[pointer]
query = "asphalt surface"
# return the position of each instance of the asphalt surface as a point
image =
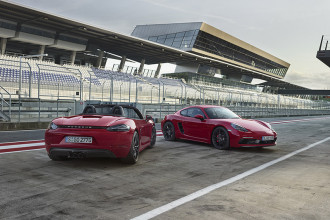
(34, 187)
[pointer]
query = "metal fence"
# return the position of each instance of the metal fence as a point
(38, 80)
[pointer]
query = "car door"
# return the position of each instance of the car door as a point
(144, 127)
(144, 131)
(193, 127)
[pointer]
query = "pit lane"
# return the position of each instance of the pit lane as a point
(33, 186)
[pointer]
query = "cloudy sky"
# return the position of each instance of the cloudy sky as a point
(290, 30)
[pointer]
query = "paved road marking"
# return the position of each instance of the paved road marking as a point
(32, 149)
(21, 142)
(24, 130)
(21, 146)
(155, 212)
(296, 120)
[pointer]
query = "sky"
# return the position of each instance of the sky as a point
(290, 30)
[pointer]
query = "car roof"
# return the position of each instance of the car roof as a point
(203, 106)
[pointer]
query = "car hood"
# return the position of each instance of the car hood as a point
(88, 120)
(250, 124)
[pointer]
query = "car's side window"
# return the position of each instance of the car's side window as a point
(192, 112)
(184, 113)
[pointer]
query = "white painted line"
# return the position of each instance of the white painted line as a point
(25, 130)
(21, 145)
(21, 151)
(20, 141)
(202, 192)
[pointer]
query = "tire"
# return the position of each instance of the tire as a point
(169, 131)
(133, 154)
(153, 137)
(220, 138)
(57, 158)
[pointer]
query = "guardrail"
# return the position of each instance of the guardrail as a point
(4, 103)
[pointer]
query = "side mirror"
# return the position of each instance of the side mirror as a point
(148, 118)
(200, 117)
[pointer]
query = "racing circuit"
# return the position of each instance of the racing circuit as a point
(53, 67)
(173, 180)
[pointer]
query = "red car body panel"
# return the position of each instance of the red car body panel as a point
(117, 142)
(201, 130)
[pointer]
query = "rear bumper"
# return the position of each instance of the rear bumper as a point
(117, 143)
(81, 153)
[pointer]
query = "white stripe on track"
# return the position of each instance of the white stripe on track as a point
(21, 145)
(24, 130)
(21, 151)
(155, 212)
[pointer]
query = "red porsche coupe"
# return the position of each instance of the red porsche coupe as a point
(218, 126)
(115, 131)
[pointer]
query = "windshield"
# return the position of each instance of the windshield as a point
(220, 113)
(123, 111)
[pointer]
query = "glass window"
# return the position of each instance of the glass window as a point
(184, 112)
(152, 38)
(161, 41)
(170, 35)
(192, 112)
(196, 32)
(7, 25)
(220, 113)
(176, 44)
(178, 39)
(189, 33)
(161, 37)
(188, 38)
(180, 34)
(169, 41)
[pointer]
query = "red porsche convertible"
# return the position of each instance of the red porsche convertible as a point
(101, 131)
(218, 126)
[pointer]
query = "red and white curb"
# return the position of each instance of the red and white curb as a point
(21, 146)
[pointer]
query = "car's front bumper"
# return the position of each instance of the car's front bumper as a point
(244, 139)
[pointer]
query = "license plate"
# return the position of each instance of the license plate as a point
(268, 138)
(73, 139)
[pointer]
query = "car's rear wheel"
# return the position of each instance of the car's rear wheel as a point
(153, 137)
(220, 138)
(169, 131)
(133, 154)
(57, 158)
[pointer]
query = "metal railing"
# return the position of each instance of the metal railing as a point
(46, 81)
(4, 103)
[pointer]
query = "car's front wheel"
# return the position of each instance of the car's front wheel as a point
(133, 154)
(169, 131)
(220, 138)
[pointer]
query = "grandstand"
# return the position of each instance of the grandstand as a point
(72, 74)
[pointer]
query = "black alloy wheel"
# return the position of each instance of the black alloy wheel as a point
(133, 154)
(153, 137)
(220, 138)
(169, 131)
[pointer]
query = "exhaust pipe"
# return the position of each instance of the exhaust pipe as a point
(78, 155)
